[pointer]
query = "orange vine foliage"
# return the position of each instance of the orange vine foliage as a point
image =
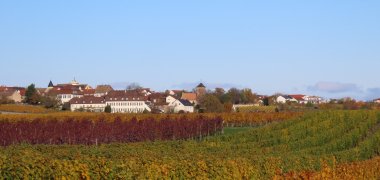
(369, 169)
(24, 108)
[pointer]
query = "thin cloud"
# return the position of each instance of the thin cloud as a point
(334, 87)
(190, 86)
(372, 93)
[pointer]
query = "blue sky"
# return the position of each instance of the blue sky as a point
(324, 47)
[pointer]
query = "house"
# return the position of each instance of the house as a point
(157, 98)
(14, 94)
(126, 102)
(181, 105)
(144, 91)
(88, 92)
(176, 93)
(102, 90)
(158, 102)
(282, 99)
(65, 92)
(192, 97)
(313, 99)
(376, 100)
(300, 98)
(170, 99)
(75, 84)
(11, 95)
(88, 103)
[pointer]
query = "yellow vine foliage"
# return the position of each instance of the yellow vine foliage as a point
(24, 108)
(368, 169)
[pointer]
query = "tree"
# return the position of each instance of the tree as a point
(66, 106)
(134, 86)
(248, 96)
(31, 95)
(266, 101)
(234, 94)
(210, 103)
(50, 102)
(107, 109)
(228, 107)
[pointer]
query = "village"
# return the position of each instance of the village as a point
(75, 96)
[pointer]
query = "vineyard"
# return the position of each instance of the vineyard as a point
(250, 109)
(86, 131)
(320, 144)
(90, 128)
(24, 108)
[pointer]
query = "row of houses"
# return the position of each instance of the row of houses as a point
(12, 94)
(82, 97)
(299, 98)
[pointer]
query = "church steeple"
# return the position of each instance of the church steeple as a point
(50, 84)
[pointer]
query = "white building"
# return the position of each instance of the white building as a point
(237, 106)
(170, 99)
(124, 102)
(88, 103)
(66, 92)
(182, 105)
(65, 96)
(285, 98)
(313, 99)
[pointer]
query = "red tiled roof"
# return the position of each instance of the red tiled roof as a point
(89, 91)
(87, 100)
(6, 93)
(189, 96)
(3, 88)
(21, 90)
(125, 96)
(298, 97)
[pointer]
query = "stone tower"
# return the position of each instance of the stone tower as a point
(200, 90)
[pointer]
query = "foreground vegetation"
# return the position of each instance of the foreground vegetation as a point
(91, 128)
(16, 108)
(318, 142)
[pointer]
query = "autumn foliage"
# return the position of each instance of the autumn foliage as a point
(315, 145)
(103, 129)
(24, 108)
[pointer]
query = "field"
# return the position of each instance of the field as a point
(317, 145)
(24, 108)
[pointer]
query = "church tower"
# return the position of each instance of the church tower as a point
(51, 85)
(200, 90)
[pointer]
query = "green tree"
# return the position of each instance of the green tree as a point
(248, 97)
(31, 95)
(134, 86)
(234, 94)
(50, 102)
(210, 103)
(107, 109)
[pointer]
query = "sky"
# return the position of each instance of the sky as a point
(317, 47)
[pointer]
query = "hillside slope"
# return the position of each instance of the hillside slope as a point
(308, 143)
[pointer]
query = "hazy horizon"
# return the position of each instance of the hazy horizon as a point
(325, 48)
